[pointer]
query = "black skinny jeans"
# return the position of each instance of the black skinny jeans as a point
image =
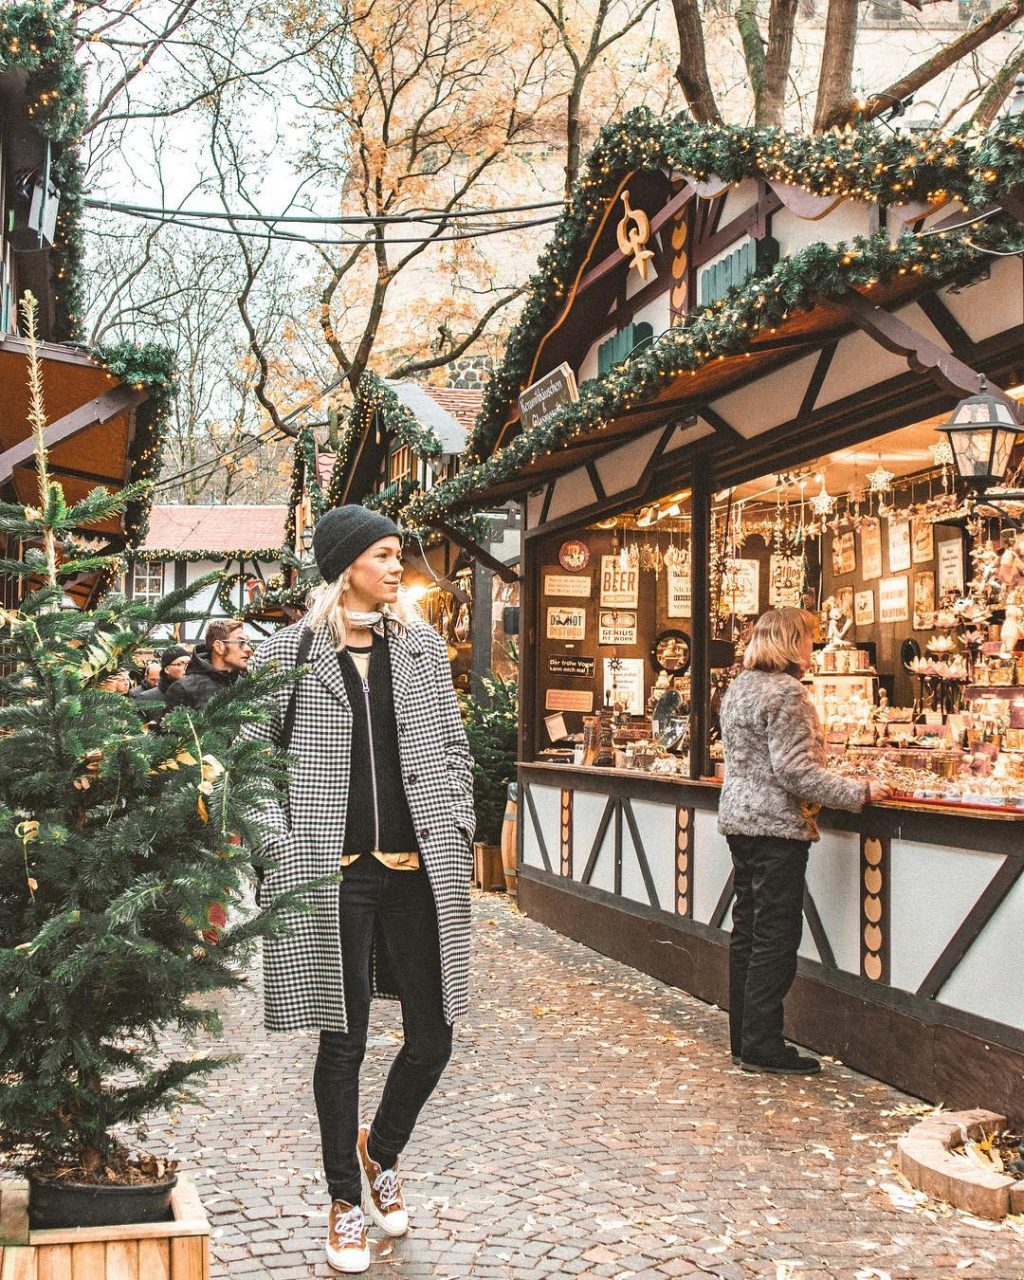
(767, 921)
(400, 906)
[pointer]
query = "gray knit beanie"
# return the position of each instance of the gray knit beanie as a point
(344, 533)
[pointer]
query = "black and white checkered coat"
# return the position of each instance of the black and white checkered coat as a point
(302, 979)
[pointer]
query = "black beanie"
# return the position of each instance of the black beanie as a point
(172, 654)
(343, 534)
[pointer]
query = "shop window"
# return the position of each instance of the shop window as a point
(400, 464)
(147, 582)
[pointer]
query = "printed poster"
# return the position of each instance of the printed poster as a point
(566, 622)
(924, 600)
(893, 599)
(899, 545)
(785, 581)
(864, 608)
(679, 591)
(624, 683)
(951, 568)
(844, 553)
(616, 626)
(922, 540)
(567, 584)
(569, 700)
(620, 588)
(870, 549)
(741, 586)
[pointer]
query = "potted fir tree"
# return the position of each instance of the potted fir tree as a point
(119, 851)
(492, 727)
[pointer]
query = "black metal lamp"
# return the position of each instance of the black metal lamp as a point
(982, 432)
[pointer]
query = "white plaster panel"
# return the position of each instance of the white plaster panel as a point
(833, 877)
(859, 362)
(623, 467)
(634, 283)
(656, 313)
(769, 401)
(992, 305)
(688, 435)
(573, 491)
(548, 803)
(848, 219)
(657, 826)
(711, 863)
(987, 980)
(807, 948)
(738, 199)
(587, 811)
(932, 888)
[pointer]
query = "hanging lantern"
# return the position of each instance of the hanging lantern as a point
(823, 504)
(982, 432)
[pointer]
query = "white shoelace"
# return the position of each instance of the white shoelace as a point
(349, 1226)
(386, 1186)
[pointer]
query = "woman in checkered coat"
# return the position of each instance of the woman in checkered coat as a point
(382, 792)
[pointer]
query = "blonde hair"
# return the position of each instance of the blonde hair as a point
(776, 640)
(325, 607)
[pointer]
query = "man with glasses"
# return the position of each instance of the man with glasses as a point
(217, 662)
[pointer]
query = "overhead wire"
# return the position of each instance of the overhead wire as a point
(347, 219)
(289, 237)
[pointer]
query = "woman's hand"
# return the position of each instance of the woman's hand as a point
(878, 791)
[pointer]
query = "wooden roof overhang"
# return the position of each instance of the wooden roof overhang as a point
(91, 417)
(690, 393)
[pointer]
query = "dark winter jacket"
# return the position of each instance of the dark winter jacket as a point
(200, 682)
(149, 703)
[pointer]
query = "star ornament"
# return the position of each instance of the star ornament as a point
(823, 504)
(880, 480)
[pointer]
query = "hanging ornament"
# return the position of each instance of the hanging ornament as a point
(880, 480)
(823, 504)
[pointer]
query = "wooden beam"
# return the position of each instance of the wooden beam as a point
(89, 476)
(101, 409)
(505, 572)
(922, 354)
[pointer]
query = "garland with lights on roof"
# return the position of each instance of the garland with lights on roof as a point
(304, 480)
(726, 328)
(35, 39)
(152, 367)
(866, 163)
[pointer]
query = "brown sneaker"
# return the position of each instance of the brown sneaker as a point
(382, 1191)
(347, 1249)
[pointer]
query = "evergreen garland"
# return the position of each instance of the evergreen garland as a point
(726, 328)
(867, 163)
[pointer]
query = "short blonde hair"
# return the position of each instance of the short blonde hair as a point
(776, 640)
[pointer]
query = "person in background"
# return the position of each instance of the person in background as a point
(217, 662)
(150, 700)
(151, 675)
(117, 682)
(775, 783)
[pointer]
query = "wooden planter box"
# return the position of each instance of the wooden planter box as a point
(487, 869)
(176, 1250)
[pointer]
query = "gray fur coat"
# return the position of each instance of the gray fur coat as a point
(775, 780)
(305, 829)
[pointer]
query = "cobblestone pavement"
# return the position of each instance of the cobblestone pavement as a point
(590, 1124)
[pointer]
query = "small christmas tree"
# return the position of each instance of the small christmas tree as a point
(114, 844)
(492, 727)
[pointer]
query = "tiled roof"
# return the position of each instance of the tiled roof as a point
(219, 529)
(463, 403)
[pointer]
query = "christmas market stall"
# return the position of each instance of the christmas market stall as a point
(106, 407)
(757, 369)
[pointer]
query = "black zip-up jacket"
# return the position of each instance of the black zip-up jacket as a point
(199, 683)
(396, 831)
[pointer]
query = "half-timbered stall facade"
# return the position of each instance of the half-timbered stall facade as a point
(727, 392)
(242, 544)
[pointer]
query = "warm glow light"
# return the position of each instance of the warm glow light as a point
(416, 592)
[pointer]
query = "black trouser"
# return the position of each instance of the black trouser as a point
(400, 903)
(767, 921)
